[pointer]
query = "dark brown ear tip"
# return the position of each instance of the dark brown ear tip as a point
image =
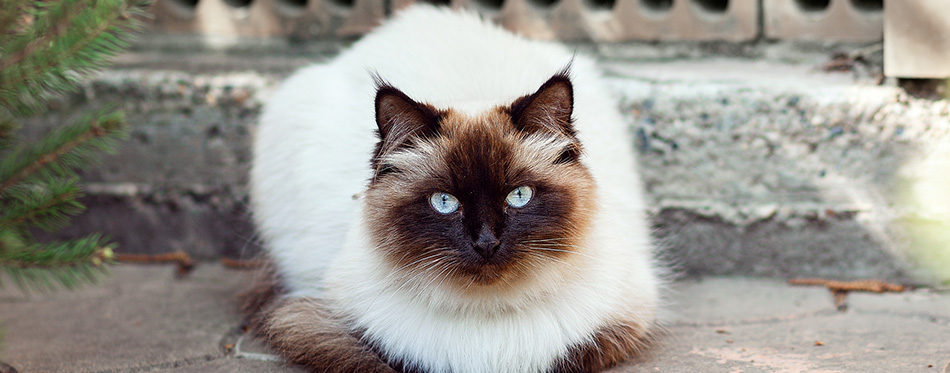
(388, 91)
(561, 78)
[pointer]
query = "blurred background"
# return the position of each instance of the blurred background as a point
(777, 138)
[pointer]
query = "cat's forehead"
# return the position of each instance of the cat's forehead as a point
(478, 151)
(486, 149)
(493, 122)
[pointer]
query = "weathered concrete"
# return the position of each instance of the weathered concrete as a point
(143, 319)
(619, 20)
(833, 20)
(755, 159)
(917, 39)
(140, 318)
(263, 18)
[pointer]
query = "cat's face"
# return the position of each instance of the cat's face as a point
(479, 201)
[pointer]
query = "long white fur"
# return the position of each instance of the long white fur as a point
(311, 158)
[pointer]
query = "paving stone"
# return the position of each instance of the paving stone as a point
(923, 303)
(143, 319)
(231, 365)
(714, 301)
(843, 342)
(141, 316)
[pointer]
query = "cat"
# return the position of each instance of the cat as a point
(445, 196)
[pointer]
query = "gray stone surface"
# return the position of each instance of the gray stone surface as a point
(140, 318)
(143, 319)
(756, 160)
(917, 39)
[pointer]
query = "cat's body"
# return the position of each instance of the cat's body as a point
(580, 291)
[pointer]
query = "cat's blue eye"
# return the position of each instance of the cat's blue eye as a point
(519, 197)
(444, 203)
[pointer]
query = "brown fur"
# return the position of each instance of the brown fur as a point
(265, 289)
(609, 346)
(306, 333)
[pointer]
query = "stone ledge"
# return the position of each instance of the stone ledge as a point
(144, 319)
(755, 160)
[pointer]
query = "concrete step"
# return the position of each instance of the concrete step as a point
(144, 319)
(757, 161)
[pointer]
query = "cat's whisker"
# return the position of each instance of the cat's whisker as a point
(551, 258)
(547, 239)
(436, 277)
(561, 251)
(433, 253)
(422, 271)
(551, 243)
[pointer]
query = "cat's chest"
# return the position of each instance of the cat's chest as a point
(528, 340)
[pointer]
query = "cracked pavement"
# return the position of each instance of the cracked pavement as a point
(143, 319)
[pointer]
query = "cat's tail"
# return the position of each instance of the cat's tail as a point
(265, 290)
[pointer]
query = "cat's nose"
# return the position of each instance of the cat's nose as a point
(487, 244)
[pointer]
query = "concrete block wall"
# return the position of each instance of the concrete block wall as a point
(598, 20)
(299, 19)
(837, 20)
(917, 42)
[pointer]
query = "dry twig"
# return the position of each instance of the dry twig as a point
(184, 261)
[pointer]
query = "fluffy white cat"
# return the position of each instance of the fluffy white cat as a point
(445, 196)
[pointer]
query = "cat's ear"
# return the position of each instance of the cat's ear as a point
(549, 109)
(399, 118)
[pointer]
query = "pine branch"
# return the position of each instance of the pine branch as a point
(51, 26)
(63, 150)
(15, 16)
(46, 205)
(47, 47)
(7, 127)
(68, 264)
(69, 40)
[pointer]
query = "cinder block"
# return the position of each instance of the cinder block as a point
(366, 15)
(215, 17)
(524, 18)
(917, 39)
(729, 20)
(304, 20)
(830, 20)
(620, 20)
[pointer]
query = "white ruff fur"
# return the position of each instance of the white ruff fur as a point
(312, 153)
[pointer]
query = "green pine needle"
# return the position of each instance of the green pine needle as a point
(64, 150)
(7, 127)
(48, 266)
(45, 205)
(65, 42)
(46, 48)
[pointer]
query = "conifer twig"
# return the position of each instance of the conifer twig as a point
(66, 262)
(52, 56)
(97, 128)
(46, 207)
(47, 47)
(46, 37)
